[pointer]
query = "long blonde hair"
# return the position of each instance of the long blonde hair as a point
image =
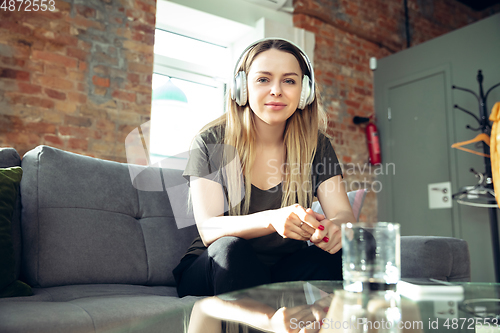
(300, 140)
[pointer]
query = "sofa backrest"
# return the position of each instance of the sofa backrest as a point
(84, 222)
(10, 158)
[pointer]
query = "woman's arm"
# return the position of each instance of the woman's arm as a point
(208, 207)
(333, 198)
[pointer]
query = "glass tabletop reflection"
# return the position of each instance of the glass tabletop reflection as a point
(323, 306)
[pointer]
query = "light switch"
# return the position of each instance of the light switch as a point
(440, 195)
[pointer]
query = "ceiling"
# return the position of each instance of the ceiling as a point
(479, 4)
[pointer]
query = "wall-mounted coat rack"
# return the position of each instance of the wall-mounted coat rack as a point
(484, 127)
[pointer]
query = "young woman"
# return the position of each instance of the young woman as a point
(253, 175)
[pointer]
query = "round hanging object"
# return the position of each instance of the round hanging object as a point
(169, 91)
(495, 149)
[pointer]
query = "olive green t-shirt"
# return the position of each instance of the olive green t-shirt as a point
(205, 161)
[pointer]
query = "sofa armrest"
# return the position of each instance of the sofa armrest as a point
(442, 258)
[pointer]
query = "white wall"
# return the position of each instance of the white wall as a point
(247, 22)
(237, 10)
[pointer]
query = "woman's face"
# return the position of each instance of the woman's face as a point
(274, 86)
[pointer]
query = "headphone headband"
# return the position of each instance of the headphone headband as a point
(311, 81)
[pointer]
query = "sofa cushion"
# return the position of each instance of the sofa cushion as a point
(9, 187)
(442, 258)
(84, 222)
(97, 308)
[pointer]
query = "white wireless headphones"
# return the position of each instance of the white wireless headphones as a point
(239, 92)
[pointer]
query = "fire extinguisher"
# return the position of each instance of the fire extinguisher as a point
(372, 138)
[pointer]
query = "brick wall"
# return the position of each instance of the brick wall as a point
(76, 76)
(348, 33)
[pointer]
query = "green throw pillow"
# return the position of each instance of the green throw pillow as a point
(9, 186)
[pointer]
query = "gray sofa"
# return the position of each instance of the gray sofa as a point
(98, 253)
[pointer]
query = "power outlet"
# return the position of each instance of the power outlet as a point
(440, 195)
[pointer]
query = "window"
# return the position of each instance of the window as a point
(185, 96)
(194, 55)
(180, 109)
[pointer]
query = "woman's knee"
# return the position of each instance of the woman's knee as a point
(229, 245)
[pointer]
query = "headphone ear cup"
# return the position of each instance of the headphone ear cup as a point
(233, 89)
(305, 92)
(243, 89)
(239, 89)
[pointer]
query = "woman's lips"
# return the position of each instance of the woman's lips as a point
(276, 106)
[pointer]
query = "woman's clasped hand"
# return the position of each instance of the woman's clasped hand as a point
(298, 223)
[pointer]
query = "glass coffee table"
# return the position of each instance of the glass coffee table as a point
(323, 306)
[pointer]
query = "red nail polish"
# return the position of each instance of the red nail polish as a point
(326, 239)
(325, 310)
(321, 227)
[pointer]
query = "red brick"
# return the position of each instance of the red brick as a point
(78, 144)
(123, 95)
(55, 94)
(55, 58)
(353, 104)
(144, 7)
(14, 27)
(22, 49)
(54, 70)
(76, 97)
(77, 121)
(27, 88)
(13, 123)
(133, 14)
(133, 78)
(77, 53)
(346, 159)
(82, 87)
(41, 128)
(29, 100)
(362, 91)
(54, 82)
(101, 81)
(85, 23)
(82, 66)
(12, 61)
(8, 73)
(53, 140)
(75, 132)
(67, 40)
(140, 68)
(150, 18)
(143, 28)
(77, 76)
(105, 125)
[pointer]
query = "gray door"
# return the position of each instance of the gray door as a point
(419, 151)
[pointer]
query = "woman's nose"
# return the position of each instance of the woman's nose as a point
(276, 89)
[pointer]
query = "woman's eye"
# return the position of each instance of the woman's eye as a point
(262, 80)
(290, 81)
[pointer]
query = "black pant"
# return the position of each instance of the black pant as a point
(230, 263)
